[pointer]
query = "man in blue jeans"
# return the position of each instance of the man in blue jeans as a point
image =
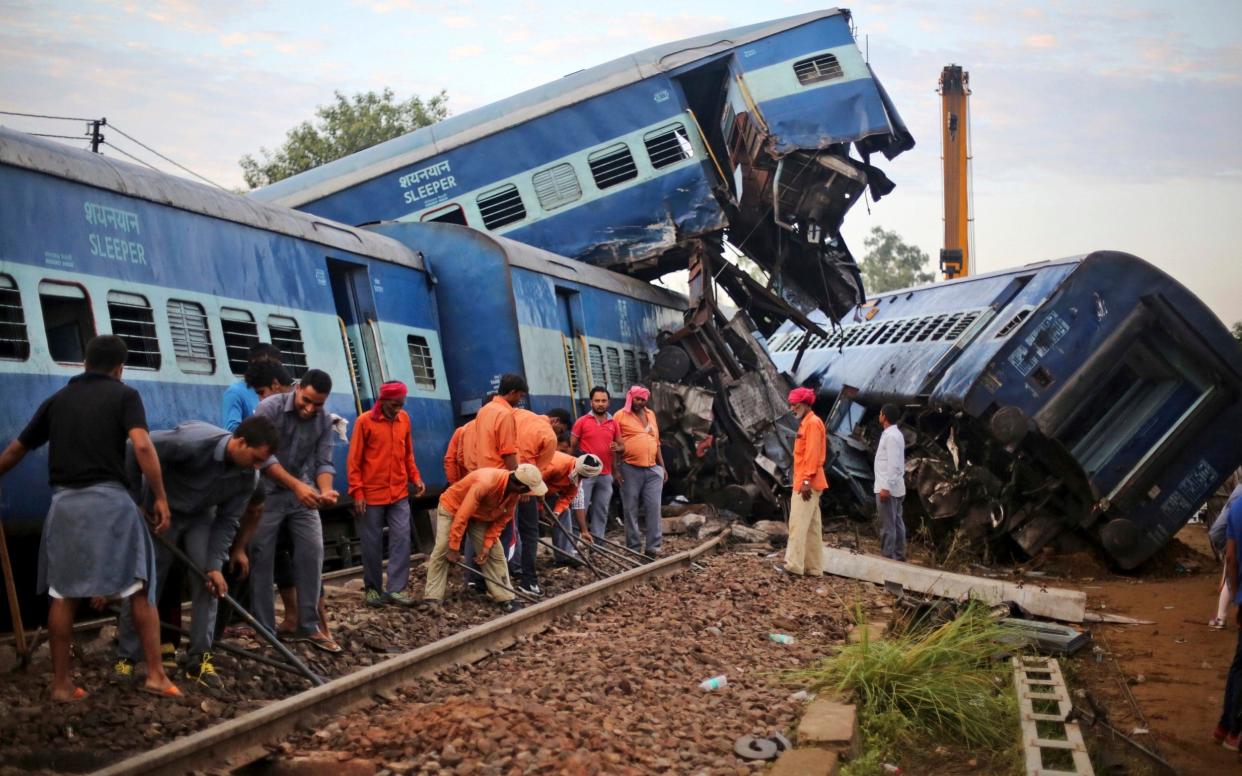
(1230, 725)
(641, 474)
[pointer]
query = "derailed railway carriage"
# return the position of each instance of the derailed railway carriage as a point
(1093, 395)
(191, 276)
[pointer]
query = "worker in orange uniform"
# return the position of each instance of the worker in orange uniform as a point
(536, 444)
(641, 473)
(495, 441)
(454, 456)
(381, 468)
(804, 553)
(564, 475)
(480, 504)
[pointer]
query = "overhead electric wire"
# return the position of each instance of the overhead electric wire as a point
(41, 116)
(131, 156)
(60, 137)
(132, 139)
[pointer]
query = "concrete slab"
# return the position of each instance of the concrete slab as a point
(808, 761)
(830, 724)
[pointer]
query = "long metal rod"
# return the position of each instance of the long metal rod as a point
(15, 610)
(241, 740)
(497, 583)
(574, 540)
(621, 560)
(267, 635)
(225, 647)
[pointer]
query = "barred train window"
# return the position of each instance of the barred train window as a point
(631, 368)
(824, 67)
(14, 341)
(595, 355)
(557, 186)
(421, 362)
(288, 337)
(668, 145)
(67, 320)
(615, 381)
(501, 206)
(133, 320)
(612, 165)
(191, 338)
(240, 334)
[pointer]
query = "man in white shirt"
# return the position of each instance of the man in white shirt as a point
(890, 484)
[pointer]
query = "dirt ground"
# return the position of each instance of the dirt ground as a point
(1175, 669)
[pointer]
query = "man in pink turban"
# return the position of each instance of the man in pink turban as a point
(381, 470)
(804, 553)
(641, 472)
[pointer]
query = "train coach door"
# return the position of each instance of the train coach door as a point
(570, 334)
(355, 311)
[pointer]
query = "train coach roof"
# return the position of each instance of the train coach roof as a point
(489, 119)
(523, 256)
(17, 149)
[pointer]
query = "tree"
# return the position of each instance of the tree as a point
(345, 126)
(890, 263)
(1237, 330)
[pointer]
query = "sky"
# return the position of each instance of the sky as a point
(1101, 125)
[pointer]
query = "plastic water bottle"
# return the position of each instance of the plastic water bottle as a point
(715, 683)
(781, 638)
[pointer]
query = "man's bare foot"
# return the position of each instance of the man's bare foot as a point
(67, 693)
(161, 685)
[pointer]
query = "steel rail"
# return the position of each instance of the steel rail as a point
(242, 740)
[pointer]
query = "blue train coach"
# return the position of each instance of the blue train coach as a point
(638, 163)
(1093, 395)
(507, 307)
(191, 276)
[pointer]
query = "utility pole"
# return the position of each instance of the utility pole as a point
(96, 137)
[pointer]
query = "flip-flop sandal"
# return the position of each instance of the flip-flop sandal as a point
(171, 691)
(322, 643)
(1216, 623)
(78, 695)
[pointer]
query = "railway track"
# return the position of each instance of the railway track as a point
(244, 739)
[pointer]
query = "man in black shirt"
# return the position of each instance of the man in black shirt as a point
(94, 541)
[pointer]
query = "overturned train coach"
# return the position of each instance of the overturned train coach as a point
(1092, 396)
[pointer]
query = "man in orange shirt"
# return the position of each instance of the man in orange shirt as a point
(381, 467)
(641, 472)
(536, 444)
(804, 553)
(454, 456)
(481, 503)
(495, 442)
(564, 476)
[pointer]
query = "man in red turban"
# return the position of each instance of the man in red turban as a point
(381, 469)
(804, 553)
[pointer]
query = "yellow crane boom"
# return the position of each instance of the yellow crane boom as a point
(954, 90)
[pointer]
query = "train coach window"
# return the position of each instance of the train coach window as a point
(421, 362)
(824, 67)
(668, 145)
(67, 320)
(631, 368)
(449, 214)
(615, 382)
(501, 206)
(287, 336)
(240, 334)
(191, 338)
(557, 186)
(14, 342)
(133, 320)
(612, 165)
(595, 357)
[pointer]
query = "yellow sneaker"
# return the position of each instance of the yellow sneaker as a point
(123, 670)
(204, 673)
(168, 655)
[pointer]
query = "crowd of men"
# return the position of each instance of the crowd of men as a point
(240, 501)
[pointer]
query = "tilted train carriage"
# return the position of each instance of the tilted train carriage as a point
(191, 276)
(1092, 395)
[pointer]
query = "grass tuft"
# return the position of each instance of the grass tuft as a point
(940, 686)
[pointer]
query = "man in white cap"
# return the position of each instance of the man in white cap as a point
(481, 504)
(563, 475)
